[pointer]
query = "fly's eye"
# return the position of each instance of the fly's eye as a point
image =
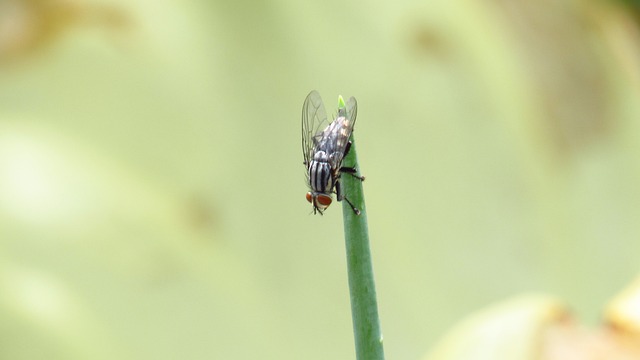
(324, 200)
(309, 197)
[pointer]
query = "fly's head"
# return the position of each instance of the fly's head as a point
(319, 201)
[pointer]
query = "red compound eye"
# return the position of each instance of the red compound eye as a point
(309, 197)
(324, 200)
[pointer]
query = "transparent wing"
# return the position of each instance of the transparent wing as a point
(336, 136)
(352, 111)
(314, 121)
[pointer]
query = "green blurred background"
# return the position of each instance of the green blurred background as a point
(152, 189)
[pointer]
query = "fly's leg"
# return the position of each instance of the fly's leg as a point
(355, 210)
(347, 148)
(351, 171)
(342, 196)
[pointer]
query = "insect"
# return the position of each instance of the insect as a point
(324, 146)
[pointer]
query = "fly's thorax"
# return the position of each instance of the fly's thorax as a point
(335, 159)
(320, 156)
(320, 176)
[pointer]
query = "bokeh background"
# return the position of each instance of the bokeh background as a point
(152, 189)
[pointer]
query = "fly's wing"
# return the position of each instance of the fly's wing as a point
(352, 111)
(336, 136)
(314, 121)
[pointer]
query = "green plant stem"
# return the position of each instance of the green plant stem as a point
(362, 290)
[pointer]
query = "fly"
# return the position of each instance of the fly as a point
(324, 146)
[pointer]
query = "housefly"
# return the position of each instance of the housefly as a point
(324, 146)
